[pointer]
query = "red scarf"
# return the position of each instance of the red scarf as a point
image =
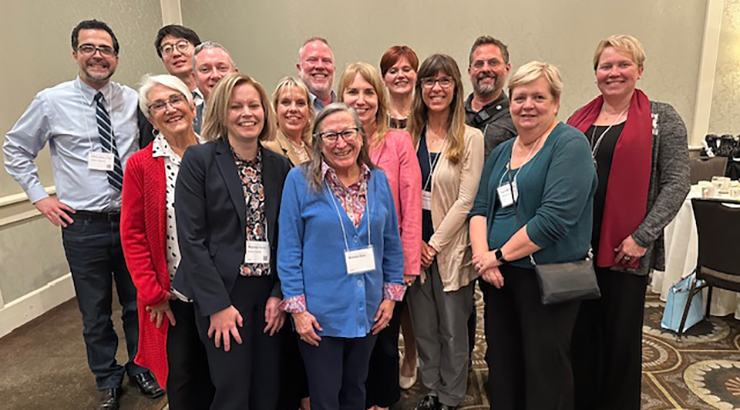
(629, 177)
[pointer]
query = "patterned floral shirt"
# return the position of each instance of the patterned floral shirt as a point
(354, 197)
(250, 174)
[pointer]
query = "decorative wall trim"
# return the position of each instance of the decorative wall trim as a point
(16, 208)
(707, 67)
(28, 307)
(171, 12)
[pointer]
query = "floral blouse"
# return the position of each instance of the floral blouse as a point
(250, 174)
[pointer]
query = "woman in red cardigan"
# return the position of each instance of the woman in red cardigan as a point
(168, 340)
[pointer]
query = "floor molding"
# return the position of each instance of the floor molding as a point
(28, 307)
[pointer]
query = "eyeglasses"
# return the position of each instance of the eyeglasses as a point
(89, 49)
(159, 106)
(478, 64)
(444, 82)
(332, 137)
(182, 46)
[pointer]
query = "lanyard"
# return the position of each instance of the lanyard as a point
(432, 165)
(367, 212)
(508, 164)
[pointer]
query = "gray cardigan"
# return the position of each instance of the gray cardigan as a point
(669, 184)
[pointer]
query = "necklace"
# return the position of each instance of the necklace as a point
(597, 145)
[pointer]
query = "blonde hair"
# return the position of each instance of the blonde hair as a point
(370, 74)
(625, 44)
(532, 71)
(148, 82)
(292, 83)
(456, 119)
(312, 168)
(217, 109)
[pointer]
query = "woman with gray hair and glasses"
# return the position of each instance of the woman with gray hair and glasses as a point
(339, 257)
(168, 339)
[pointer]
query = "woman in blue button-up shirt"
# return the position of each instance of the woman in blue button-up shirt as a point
(336, 208)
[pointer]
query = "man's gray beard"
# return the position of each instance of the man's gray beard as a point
(484, 89)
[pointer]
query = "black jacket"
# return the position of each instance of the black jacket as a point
(211, 221)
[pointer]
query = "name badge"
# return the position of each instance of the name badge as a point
(360, 260)
(100, 161)
(507, 194)
(426, 200)
(257, 252)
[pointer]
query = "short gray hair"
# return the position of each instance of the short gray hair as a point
(209, 45)
(169, 81)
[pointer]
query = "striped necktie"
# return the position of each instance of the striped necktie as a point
(196, 120)
(115, 177)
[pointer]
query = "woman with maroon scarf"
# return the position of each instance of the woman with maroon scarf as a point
(641, 154)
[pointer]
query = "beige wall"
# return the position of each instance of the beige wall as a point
(38, 33)
(725, 114)
(38, 55)
(264, 37)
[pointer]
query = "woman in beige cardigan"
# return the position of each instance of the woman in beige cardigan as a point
(451, 159)
(294, 111)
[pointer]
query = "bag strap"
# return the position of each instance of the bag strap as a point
(589, 255)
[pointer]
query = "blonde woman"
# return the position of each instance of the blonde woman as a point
(392, 151)
(450, 156)
(294, 113)
(227, 200)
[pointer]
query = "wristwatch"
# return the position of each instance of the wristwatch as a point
(500, 256)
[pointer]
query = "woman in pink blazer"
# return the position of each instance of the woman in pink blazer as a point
(391, 150)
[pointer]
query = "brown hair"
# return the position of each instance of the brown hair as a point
(456, 119)
(393, 54)
(214, 119)
(483, 40)
(370, 74)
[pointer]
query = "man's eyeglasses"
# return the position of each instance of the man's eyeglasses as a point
(89, 49)
(444, 82)
(478, 64)
(181, 46)
(159, 106)
(332, 137)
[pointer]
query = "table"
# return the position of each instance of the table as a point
(681, 251)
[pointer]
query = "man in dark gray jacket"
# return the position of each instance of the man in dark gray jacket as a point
(487, 108)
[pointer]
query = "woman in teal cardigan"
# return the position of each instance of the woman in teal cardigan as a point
(340, 259)
(535, 198)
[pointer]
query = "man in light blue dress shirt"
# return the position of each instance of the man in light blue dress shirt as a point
(78, 119)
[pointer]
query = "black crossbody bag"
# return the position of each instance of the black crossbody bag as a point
(563, 282)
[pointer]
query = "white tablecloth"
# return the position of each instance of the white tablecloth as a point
(682, 249)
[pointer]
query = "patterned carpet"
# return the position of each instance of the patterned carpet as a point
(699, 372)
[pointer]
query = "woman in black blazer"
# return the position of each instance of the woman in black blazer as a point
(227, 201)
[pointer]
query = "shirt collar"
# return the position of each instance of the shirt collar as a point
(328, 171)
(239, 160)
(320, 104)
(161, 148)
(502, 100)
(89, 93)
(197, 96)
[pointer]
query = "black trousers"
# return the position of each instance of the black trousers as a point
(189, 385)
(528, 345)
(607, 344)
(293, 381)
(382, 378)
(337, 370)
(92, 245)
(247, 376)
